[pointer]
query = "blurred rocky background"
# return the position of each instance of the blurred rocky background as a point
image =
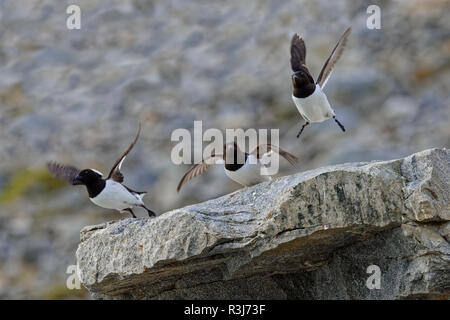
(76, 96)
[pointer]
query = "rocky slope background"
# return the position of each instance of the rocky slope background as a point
(76, 96)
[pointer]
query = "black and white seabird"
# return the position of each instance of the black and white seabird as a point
(311, 101)
(108, 193)
(246, 173)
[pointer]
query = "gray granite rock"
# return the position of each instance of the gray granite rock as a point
(311, 235)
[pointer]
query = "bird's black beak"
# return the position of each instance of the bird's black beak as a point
(78, 180)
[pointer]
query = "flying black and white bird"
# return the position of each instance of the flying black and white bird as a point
(246, 172)
(108, 193)
(309, 98)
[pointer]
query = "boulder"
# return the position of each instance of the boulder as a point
(376, 230)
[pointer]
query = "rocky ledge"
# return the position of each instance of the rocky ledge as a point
(311, 235)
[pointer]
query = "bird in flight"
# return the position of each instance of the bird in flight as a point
(246, 172)
(309, 98)
(109, 193)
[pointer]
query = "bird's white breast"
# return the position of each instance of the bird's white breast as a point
(249, 174)
(116, 196)
(314, 108)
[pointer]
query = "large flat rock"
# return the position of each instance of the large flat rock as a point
(311, 235)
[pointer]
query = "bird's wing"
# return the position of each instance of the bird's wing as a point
(134, 191)
(199, 168)
(334, 57)
(115, 173)
(63, 172)
(298, 53)
(263, 149)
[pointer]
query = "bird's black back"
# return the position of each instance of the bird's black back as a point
(95, 187)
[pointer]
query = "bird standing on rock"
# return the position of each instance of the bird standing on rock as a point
(109, 193)
(310, 100)
(246, 173)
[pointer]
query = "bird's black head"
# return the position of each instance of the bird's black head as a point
(303, 83)
(234, 157)
(88, 177)
(301, 79)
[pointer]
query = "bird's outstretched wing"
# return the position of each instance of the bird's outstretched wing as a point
(334, 57)
(298, 53)
(115, 173)
(199, 168)
(63, 172)
(266, 148)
